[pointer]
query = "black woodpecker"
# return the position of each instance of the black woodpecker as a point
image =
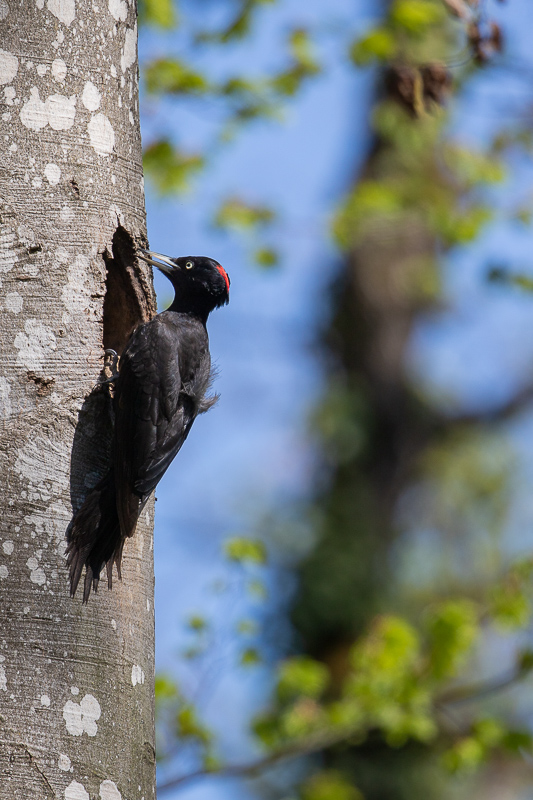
(161, 386)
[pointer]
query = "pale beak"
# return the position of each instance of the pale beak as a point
(164, 263)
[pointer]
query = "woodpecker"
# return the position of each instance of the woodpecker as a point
(162, 385)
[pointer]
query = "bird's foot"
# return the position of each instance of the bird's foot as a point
(110, 367)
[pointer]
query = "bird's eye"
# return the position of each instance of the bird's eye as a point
(189, 265)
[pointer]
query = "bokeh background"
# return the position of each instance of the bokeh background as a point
(343, 546)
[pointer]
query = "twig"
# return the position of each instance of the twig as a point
(458, 8)
(477, 691)
(302, 748)
(519, 401)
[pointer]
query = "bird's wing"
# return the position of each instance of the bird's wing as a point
(153, 416)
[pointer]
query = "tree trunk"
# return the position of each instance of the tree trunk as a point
(76, 682)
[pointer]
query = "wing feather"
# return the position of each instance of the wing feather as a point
(155, 409)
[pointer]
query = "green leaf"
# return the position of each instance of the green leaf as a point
(170, 76)
(525, 660)
(346, 713)
(330, 785)
(161, 13)
(243, 550)
(169, 168)
(457, 227)
(452, 629)
(469, 752)
(391, 650)
(302, 719)
(266, 257)
(510, 607)
(301, 51)
(288, 83)
(235, 213)
(518, 741)
(385, 681)
(197, 623)
(369, 200)
(165, 687)
(465, 756)
(266, 728)
(189, 726)
(304, 65)
(250, 657)
(238, 87)
(211, 763)
(240, 26)
(378, 45)
(474, 168)
(415, 16)
(301, 675)
(511, 598)
(490, 732)
(524, 282)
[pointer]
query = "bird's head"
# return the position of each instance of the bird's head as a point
(200, 283)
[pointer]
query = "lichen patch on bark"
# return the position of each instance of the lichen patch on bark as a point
(82, 717)
(64, 10)
(76, 791)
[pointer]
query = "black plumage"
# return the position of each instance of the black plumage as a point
(162, 385)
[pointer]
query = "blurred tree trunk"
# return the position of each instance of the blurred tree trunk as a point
(348, 578)
(381, 428)
(376, 303)
(76, 682)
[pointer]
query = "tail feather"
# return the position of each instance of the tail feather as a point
(94, 538)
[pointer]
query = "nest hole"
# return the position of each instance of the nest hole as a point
(124, 305)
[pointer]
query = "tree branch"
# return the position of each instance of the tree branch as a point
(482, 689)
(302, 748)
(463, 694)
(519, 401)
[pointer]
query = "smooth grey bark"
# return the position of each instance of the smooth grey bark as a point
(76, 682)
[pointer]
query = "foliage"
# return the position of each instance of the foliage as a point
(452, 629)
(178, 720)
(251, 221)
(329, 785)
(239, 100)
(416, 16)
(395, 683)
(169, 168)
(486, 736)
(512, 596)
(160, 13)
(170, 76)
(240, 24)
(379, 44)
(418, 172)
(301, 675)
(245, 550)
(235, 213)
(181, 724)
(413, 30)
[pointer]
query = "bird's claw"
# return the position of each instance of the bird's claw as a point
(110, 367)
